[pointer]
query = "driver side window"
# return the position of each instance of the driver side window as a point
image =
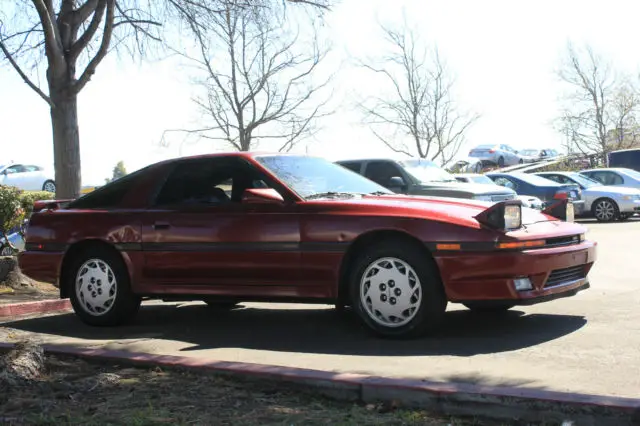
(381, 172)
(505, 182)
(15, 169)
(206, 182)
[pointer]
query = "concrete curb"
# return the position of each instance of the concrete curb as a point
(501, 403)
(37, 307)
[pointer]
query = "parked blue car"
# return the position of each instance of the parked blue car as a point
(545, 189)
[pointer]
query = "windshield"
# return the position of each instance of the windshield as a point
(530, 152)
(308, 176)
(481, 179)
(583, 180)
(429, 174)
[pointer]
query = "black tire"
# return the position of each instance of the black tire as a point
(521, 161)
(489, 307)
(125, 305)
(501, 162)
(602, 205)
(433, 303)
(219, 305)
(624, 216)
(49, 182)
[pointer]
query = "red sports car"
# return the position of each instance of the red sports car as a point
(237, 227)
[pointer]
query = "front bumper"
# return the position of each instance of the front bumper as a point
(629, 206)
(41, 266)
(489, 276)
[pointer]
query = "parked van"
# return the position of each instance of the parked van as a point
(625, 158)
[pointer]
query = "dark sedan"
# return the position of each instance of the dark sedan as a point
(545, 189)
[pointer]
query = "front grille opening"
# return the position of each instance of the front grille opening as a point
(566, 275)
(562, 241)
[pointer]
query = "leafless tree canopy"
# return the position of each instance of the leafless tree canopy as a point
(600, 108)
(420, 107)
(69, 38)
(258, 76)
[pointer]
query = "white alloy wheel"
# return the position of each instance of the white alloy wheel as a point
(390, 292)
(6, 251)
(49, 186)
(96, 287)
(605, 210)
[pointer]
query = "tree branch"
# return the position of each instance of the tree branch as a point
(102, 51)
(24, 77)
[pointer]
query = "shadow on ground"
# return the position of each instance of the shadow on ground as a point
(314, 331)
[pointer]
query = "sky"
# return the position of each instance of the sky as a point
(503, 54)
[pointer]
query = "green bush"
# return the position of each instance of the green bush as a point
(28, 198)
(11, 211)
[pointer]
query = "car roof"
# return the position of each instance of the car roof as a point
(468, 174)
(607, 169)
(242, 154)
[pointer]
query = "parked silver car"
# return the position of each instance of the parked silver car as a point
(613, 176)
(606, 203)
(500, 154)
(533, 155)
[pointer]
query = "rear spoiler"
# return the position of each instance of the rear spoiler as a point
(50, 204)
(562, 210)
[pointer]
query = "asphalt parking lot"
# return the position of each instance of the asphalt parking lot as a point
(588, 343)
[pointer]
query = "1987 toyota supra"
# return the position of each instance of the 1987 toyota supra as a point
(225, 228)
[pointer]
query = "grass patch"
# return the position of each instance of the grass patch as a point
(75, 391)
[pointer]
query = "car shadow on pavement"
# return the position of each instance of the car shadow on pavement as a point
(317, 331)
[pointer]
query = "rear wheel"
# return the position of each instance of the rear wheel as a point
(605, 210)
(489, 307)
(396, 290)
(501, 162)
(49, 186)
(100, 288)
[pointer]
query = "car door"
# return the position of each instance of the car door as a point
(32, 178)
(381, 173)
(199, 233)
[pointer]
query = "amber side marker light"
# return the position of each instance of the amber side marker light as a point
(521, 244)
(448, 246)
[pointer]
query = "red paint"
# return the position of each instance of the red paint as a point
(37, 307)
(267, 248)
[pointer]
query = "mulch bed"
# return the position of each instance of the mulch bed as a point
(74, 391)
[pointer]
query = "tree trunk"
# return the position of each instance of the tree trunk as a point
(66, 143)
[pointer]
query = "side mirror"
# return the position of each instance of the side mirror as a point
(261, 196)
(396, 182)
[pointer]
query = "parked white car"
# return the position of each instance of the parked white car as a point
(606, 203)
(27, 177)
(527, 200)
(614, 176)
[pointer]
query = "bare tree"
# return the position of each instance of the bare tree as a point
(600, 108)
(259, 77)
(71, 38)
(421, 106)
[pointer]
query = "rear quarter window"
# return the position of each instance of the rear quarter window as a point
(108, 196)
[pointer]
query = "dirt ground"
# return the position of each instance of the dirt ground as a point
(73, 391)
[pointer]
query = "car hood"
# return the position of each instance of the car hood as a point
(452, 210)
(470, 188)
(603, 189)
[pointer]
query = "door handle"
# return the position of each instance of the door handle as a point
(161, 225)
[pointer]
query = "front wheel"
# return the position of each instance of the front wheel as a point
(501, 162)
(605, 210)
(396, 291)
(100, 288)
